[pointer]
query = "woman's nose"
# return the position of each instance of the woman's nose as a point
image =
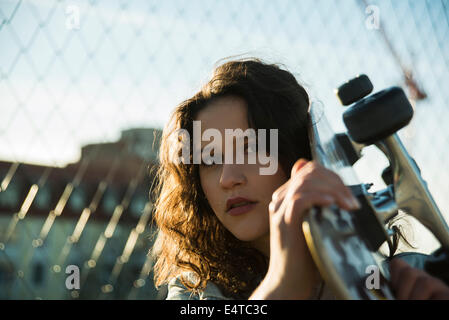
(232, 175)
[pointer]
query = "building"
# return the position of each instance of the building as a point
(94, 214)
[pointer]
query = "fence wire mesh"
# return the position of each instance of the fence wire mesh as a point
(86, 86)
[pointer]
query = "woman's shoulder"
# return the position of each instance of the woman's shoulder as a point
(178, 291)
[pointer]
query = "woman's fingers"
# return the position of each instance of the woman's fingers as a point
(309, 185)
(300, 203)
(310, 178)
(298, 165)
(335, 189)
(423, 288)
(414, 284)
(442, 294)
(292, 211)
(402, 278)
(288, 218)
(313, 177)
(278, 197)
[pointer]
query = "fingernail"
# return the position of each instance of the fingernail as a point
(352, 203)
(349, 204)
(356, 203)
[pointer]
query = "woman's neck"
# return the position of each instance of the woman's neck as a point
(263, 245)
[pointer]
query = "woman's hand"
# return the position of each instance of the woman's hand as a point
(414, 284)
(292, 273)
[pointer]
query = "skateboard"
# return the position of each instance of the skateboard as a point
(345, 245)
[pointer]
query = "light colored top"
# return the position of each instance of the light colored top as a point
(177, 291)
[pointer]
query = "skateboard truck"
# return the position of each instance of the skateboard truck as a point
(375, 119)
(345, 244)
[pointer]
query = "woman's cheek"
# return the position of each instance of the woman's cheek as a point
(209, 179)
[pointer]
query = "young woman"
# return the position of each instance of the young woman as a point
(225, 230)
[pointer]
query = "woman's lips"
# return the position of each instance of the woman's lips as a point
(242, 209)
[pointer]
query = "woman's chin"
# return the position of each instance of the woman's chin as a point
(249, 236)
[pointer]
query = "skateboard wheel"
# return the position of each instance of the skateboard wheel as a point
(354, 90)
(378, 116)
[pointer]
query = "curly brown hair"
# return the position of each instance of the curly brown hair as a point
(190, 237)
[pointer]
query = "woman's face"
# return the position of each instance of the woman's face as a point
(221, 182)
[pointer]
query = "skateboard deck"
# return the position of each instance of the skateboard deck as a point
(340, 248)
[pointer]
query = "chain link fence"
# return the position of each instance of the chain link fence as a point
(86, 86)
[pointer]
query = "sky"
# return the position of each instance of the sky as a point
(79, 72)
